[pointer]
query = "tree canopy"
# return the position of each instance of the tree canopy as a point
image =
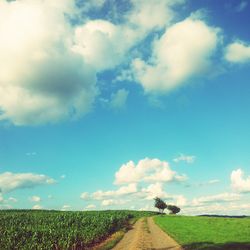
(173, 209)
(160, 204)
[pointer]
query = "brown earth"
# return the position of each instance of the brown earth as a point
(146, 235)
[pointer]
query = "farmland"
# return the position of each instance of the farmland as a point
(29, 229)
(207, 232)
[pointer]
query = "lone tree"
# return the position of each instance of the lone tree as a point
(160, 204)
(173, 209)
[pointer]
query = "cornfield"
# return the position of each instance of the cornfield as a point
(45, 230)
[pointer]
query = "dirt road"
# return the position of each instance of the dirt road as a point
(145, 235)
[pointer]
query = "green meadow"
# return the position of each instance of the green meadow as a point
(203, 233)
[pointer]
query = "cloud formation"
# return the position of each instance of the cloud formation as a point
(35, 198)
(12, 181)
(41, 79)
(186, 158)
(91, 206)
(238, 182)
(139, 183)
(238, 52)
(183, 51)
(159, 11)
(37, 207)
(102, 44)
(223, 197)
(51, 75)
(99, 195)
(146, 170)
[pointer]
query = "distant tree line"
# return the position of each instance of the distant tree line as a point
(161, 205)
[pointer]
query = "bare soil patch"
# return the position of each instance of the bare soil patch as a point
(146, 235)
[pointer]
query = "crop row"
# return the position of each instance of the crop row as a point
(45, 230)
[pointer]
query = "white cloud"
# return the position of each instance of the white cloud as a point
(122, 191)
(60, 84)
(112, 202)
(63, 176)
(85, 196)
(124, 75)
(91, 206)
(103, 44)
(151, 14)
(65, 208)
(35, 198)
(37, 207)
(12, 199)
(180, 200)
(12, 181)
(187, 158)
(183, 51)
(224, 197)
(149, 170)
(232, 208)
(100, 194)
(118, 99)
(6, 206)
(238, 52)
(152, 191)
(238, 182)
(157, 190)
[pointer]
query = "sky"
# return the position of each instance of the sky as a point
(108, 104)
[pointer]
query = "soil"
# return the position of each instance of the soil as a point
(146, 235)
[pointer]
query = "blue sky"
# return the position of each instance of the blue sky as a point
(107, 104)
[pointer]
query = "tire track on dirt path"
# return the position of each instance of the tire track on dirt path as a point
(161, 240)
(146, 235)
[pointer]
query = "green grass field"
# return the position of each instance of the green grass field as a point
(207, 232)
(45, 230)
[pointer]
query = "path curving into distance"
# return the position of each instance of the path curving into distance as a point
(146, 235)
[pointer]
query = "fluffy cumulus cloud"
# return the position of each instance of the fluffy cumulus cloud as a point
(41, 79)
(51, 74)
(147, 170)
(159, 11)
(112, 202)
(35, 198)
(152, 191)
(12, 181)
(186, 158)
(65, 208)
(239, 182)
(104, 44)
(139, 184)
(183, 51)
(91, 206)
(37, 207)
(238, 52)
